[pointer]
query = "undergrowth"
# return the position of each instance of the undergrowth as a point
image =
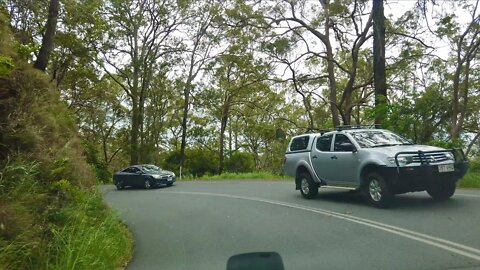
(51, 216)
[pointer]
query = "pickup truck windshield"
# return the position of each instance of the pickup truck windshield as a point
(378, 138)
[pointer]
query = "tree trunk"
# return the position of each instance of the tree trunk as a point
(331, 71)
(49, 36)
(379, 59)
(186, 96)
(223, 127)
(134, 158)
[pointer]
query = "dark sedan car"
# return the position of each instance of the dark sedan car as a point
(147, 176)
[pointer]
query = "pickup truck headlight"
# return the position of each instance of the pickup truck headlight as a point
(450, 156)
(402, 161)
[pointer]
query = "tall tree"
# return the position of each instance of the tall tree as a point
(198, 55)
(141, 32)
(48, 37)
(467, 46)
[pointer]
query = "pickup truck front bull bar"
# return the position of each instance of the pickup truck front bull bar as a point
(458, 154)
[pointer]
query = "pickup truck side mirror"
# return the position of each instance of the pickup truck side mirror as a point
(348, 147)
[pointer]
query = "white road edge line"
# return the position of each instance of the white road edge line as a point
(467, 195)
(453, 247)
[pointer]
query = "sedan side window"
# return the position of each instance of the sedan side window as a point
(127, 170)
(340, 141)
(135, 170)
(324, 143)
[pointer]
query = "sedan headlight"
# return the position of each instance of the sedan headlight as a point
(156, 176)
(402, 161)
(173, 174)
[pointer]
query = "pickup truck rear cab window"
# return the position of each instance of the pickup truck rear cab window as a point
(324, 143)
(299, 143)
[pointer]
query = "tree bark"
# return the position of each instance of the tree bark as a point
(379, 59)
(134, 157)
(223, 127)
(331, 70)
(186, 98)
(49, 36)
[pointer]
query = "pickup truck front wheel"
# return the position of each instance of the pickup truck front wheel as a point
(377, 191)
(308, 188)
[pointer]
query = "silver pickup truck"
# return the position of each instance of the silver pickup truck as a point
(375, 161)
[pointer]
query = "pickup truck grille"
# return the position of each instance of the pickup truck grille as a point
(430, 158)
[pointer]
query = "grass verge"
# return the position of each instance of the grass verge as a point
(61, 227)
(93, 238)
(470, 180)
(240, 176)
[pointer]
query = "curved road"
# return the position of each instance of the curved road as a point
(199, 225)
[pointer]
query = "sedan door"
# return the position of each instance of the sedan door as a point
(137, 177)
(126, 176)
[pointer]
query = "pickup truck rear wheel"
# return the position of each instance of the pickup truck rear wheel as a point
(308, 188)
(377, 191)
(442, 190)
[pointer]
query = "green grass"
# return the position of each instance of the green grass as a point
(78, 231)
(470, 180)
(93, 238)
(240, 176)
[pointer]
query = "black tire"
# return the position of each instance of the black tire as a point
(442, 190)
(377, 191)
(119, 185)
(308, 188)
(147, 184)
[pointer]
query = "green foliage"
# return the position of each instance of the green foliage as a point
(474, 166)
(470, 180)
(101, 170)
(198, 161)
(51, 217)
(6, 65)
(240, 162)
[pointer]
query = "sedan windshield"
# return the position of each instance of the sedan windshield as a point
(378, 138)
(151, 168)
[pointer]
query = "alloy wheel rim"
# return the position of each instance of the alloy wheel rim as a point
(305, 187)
(375, 190)
(147, 184)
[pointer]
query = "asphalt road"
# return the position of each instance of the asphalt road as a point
(199, 225)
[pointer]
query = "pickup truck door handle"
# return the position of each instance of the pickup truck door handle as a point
(333, 157)
(314, 157)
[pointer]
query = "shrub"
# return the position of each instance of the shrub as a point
(198, 162)
(240, 162)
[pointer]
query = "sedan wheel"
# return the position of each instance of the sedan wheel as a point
(147, 184)
(119, 185)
